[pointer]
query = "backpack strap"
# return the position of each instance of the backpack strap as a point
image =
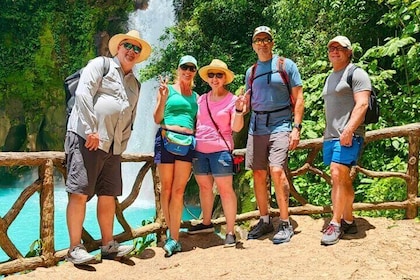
(350, 72)
(106, 67)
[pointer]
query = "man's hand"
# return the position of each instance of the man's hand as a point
(92, 142)
(294, 139)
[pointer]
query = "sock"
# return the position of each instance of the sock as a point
(348, 222)
(334, 223)
(266, 219)
(286, 221)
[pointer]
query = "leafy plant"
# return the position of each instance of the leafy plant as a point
(35, 249)
(141, 243)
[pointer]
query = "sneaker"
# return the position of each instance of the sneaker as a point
(115, 250)
(171, 247)
(230, 240)
(331, 235)
(284, 234)
(260, 229)
(348, 228)
(201, 228)
(79, 255)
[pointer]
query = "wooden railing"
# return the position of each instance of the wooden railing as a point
(47, 162)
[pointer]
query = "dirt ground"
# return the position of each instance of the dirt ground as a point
(382, 249)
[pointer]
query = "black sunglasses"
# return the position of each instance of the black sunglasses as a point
(259, 41)
(188, 67)
(218, 75)
(338, 48)
(129, 46)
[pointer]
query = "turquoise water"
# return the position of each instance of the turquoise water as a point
(25, 228)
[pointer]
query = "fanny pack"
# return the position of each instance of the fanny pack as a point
(177, 143)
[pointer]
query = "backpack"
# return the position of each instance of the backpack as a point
(71, 82)
(281, 69)
(372, 113)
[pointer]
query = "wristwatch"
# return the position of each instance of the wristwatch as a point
(298, 126)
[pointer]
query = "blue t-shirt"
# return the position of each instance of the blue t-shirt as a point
(269, 93)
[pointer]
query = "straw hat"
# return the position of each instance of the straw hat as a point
(130, 35)
(218, 66)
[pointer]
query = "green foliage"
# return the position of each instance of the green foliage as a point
(141, 243)
(35, 249)
(388, 189)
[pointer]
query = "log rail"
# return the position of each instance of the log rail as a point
(48, 162)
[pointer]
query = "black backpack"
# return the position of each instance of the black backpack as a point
(372, 113)
(71, 82)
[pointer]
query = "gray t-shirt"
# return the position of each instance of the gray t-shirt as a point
(339, 100)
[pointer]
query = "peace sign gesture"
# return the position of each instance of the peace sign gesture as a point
(163, 86)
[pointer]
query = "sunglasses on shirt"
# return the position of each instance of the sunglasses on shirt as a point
(129, 46)
(188, 67)
(218, 75)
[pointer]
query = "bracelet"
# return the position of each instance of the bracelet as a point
(239, 111)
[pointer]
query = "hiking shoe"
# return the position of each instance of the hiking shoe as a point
(171, 247)
(348, 228)
(79, 255)
(284, 234)
(230, 240)
(331, 235)
(260, 229)
(115, 250)
(201, 228)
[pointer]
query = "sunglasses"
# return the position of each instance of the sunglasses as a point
(259, 41)
(188, 67)
(339, 48)
(218, 75)
(129, 46)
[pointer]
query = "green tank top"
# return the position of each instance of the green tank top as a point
(180, 109)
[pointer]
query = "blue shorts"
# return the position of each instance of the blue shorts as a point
(334, 152)
(163, 156)
(217, 164)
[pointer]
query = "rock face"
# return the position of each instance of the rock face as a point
(44, 132)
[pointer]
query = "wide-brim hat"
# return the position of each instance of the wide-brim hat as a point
(218, 66)
(342, 40)
(116, 40)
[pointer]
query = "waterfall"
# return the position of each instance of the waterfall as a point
(151, 23)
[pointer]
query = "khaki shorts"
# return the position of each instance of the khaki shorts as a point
(91, 172)
(267, 150)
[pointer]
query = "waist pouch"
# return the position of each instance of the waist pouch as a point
(178, 143)
(268, 115)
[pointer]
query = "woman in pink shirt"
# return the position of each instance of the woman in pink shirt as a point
(219, 114)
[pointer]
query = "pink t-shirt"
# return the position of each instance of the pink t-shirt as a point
(208, 139)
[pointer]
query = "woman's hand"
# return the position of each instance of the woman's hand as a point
(241, 102)
(163, 86)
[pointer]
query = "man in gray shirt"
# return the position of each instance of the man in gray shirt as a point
(98, 130)
(345, 109)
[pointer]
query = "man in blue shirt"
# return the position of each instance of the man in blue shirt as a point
(271, 131)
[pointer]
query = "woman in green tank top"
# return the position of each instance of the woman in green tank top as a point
(175, 111)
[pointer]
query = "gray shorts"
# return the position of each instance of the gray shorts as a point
(91, 172)
(267, 150)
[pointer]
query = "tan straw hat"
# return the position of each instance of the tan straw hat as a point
(216, 65)
(130, 35)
